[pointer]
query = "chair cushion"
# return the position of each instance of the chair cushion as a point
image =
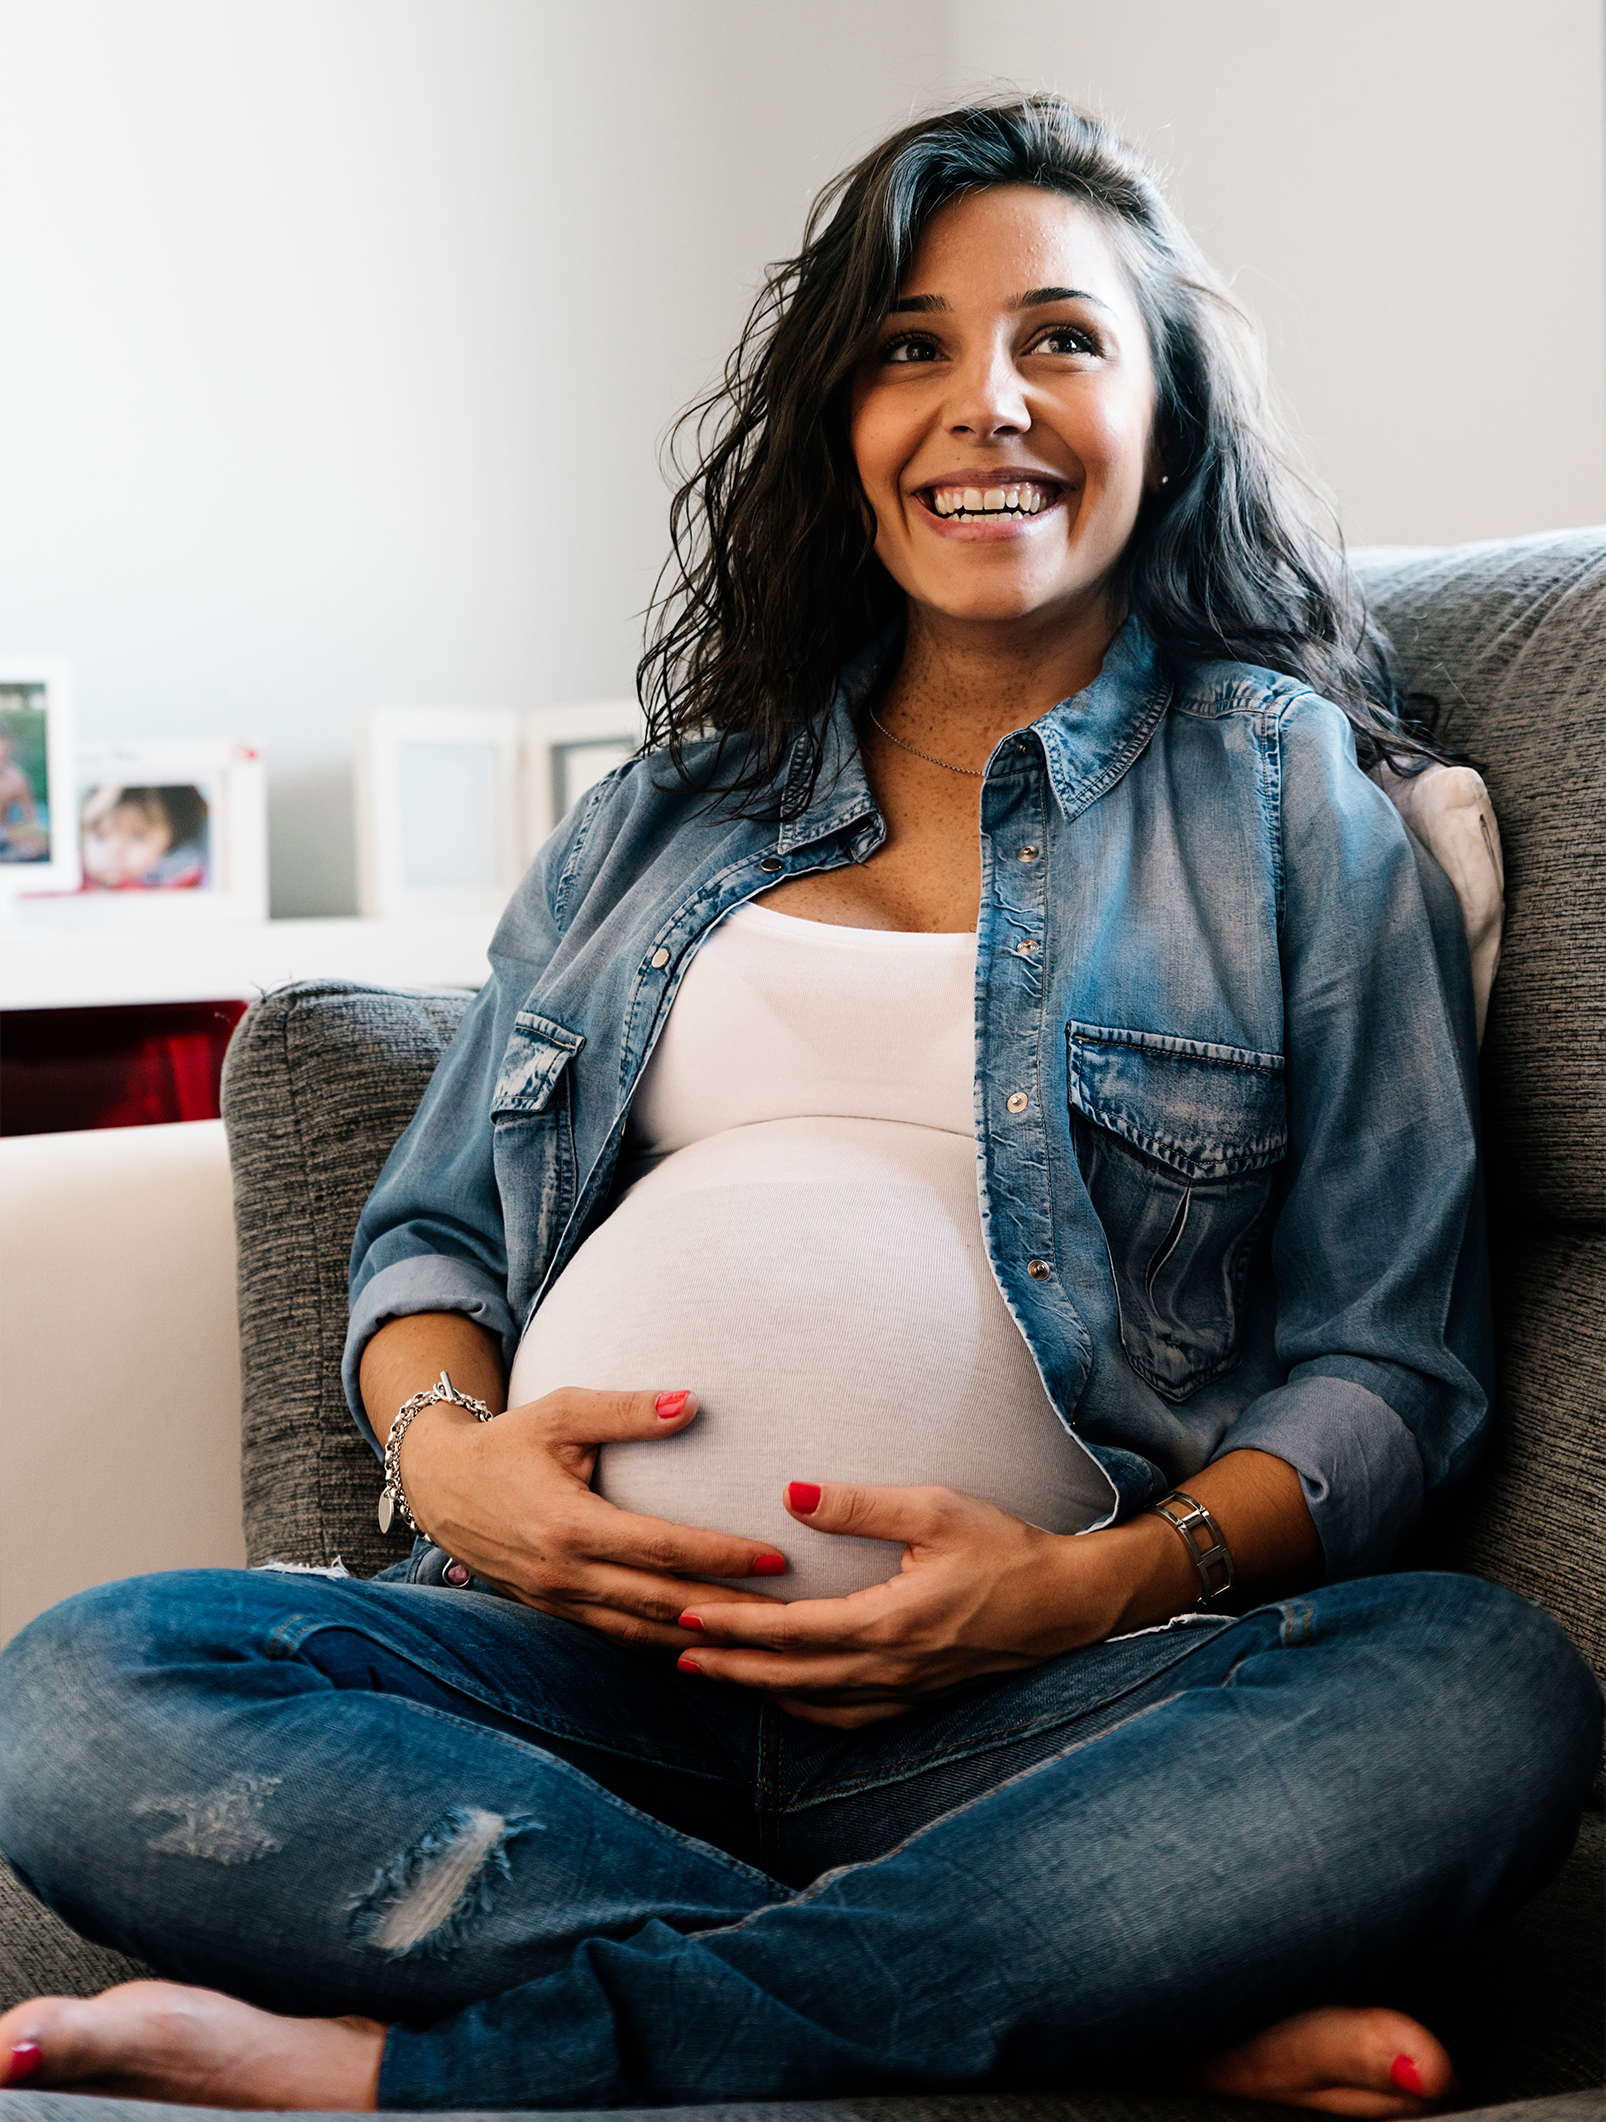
(1092, 2106)
(320, 1081)
(1531, 1516)
(1502, 649)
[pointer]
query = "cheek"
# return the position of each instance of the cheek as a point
(880, 447)
(1111, 436)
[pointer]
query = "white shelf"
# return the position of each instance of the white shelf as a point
(61, 969)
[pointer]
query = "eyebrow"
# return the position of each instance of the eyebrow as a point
(929, 305)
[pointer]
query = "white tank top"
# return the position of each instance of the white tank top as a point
(803, 1250)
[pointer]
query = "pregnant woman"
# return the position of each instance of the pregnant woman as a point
(930, 1283)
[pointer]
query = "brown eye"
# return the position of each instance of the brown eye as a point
(1065, 339)
(904, 350)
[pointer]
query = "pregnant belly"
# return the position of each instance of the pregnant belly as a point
(823, 1287)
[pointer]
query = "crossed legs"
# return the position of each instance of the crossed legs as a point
(1235, 1862)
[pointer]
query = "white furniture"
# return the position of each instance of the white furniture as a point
(69, 967)
(120, 1414)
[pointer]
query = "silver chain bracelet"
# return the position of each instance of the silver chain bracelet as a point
(393, 1497)
(1212, 1553)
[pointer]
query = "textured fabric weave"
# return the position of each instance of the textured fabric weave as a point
(320, 1081)
(1099, 2106)
(1502, 648)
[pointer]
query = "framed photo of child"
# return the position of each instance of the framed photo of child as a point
(38, 817)
(169, 830)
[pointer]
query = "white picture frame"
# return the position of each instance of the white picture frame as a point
(438, 811)
(201, 805)
(568, 750)
(38, 813)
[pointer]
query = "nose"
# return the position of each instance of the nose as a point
(987, 396)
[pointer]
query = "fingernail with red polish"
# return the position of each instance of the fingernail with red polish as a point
(690, 1621)
(803, 1496)
(26, 2058)
(668, 1405)
(1406, 2076)
(768, 1565)
(688, 1665)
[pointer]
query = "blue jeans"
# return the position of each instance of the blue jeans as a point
(576, 1878)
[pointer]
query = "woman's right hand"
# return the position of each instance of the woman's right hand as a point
(512, 1499)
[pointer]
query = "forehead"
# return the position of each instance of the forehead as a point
(1004, 241)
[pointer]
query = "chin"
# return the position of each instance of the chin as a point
(1005, 604)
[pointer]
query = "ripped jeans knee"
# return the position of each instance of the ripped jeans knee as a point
(425, 1900)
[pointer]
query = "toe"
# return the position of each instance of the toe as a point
(1368, 2063)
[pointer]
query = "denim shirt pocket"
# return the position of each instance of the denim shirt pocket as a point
(1178, 1141)
(533, 1144)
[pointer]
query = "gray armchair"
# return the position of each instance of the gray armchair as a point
(1503, 647)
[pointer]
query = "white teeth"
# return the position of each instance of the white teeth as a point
(1023, 500)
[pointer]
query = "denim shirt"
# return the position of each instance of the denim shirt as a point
(1225, 1095)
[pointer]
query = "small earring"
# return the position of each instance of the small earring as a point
(1165, 478)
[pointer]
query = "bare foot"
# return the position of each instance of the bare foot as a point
(1347, 2061)
(158, 2041)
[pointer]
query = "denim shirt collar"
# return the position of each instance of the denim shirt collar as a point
(1089, 740)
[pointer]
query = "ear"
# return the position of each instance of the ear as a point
(1157, 471)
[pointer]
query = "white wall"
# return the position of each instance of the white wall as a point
(339, 335)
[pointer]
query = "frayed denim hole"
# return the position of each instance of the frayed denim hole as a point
(423, 1904)
(223, 1826)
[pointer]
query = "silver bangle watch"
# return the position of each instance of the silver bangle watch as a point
(393, 1497)
(1204, 1540)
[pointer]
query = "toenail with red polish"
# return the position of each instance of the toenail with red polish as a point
(1406, 2076)
(26, 2058)
(668, 1405)
(769, 1565)
(688, 1665)
(690, 1621)
(803, 1496)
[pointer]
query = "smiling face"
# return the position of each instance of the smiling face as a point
(1002, 425)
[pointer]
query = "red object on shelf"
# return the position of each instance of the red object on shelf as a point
(64, 1069)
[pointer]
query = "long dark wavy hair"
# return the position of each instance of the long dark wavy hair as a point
(772, 584)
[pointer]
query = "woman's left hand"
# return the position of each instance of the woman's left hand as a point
(979, 1592)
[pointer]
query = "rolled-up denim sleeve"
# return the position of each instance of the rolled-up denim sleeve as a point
(1378, 1250)
(431, 1237)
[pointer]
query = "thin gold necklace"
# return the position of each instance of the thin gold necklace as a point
(931, 759)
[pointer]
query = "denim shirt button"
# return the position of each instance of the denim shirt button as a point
(770, 865)
(659, 959)
(1027, 854)
(1017, 1101)
(1039, 1270)
(1027, 948)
